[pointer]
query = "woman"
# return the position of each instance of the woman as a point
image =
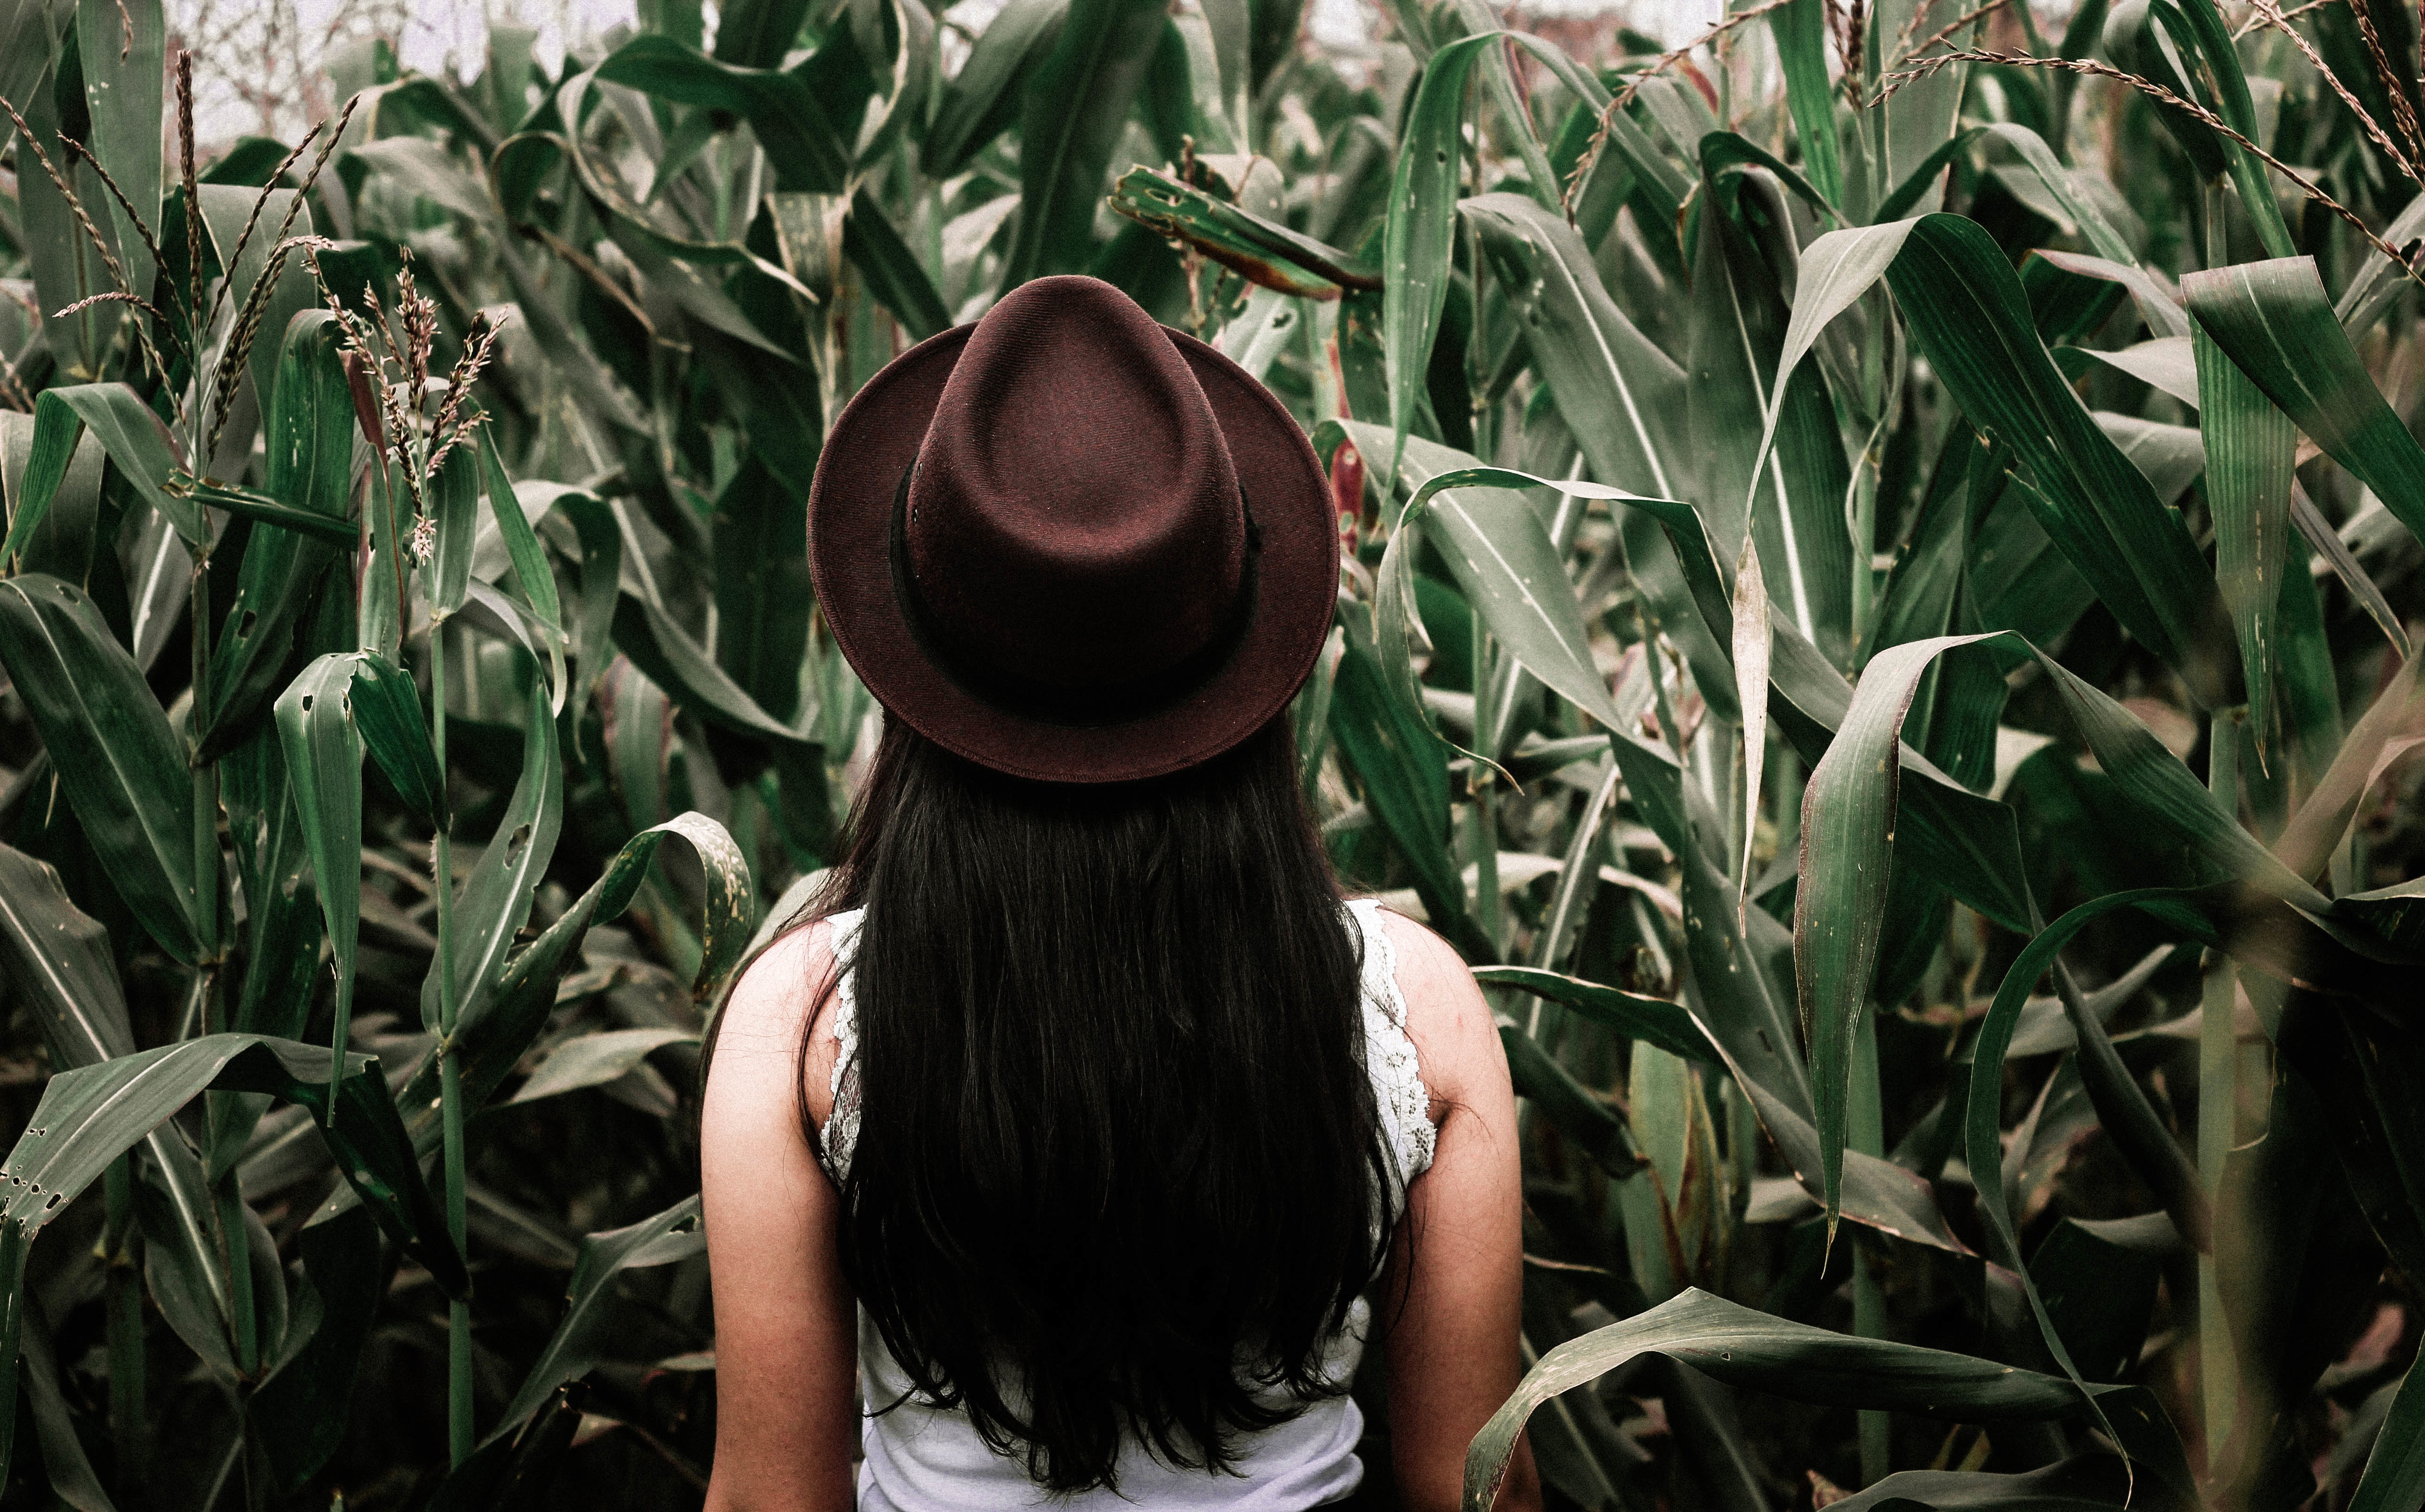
(1072, 1154)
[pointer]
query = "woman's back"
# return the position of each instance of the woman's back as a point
(1118, 1108)
(920, 1457)
(793, 1427)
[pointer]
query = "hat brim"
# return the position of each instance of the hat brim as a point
(850, 509)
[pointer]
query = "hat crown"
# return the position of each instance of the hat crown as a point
(1073, 518)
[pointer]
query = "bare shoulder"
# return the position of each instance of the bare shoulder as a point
(1456, 1044)
(757, 1033)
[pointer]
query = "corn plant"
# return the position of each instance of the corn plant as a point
(1883, 545)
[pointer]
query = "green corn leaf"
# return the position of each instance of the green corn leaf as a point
(2087, 1484)
(1653, 1020)
(1622, 397)
(51, 474)
(637, 729)
(57, 958)
(758, 33)
(1265, 326)
(1578, 1113)
(2309, 841)
(592, 384)
(1075, 102)
(1231, 24)
(2163, 312)
(2375, 288)
(1493, 541)
(2170, 457)
(2166, 364)
(1815, 550)
(1965, 841)
(2040, 160)
(585, 1335)
(65, 1464)
(1400, 627)
(601, 540)
(1518, 127)
(128, 431)
(530, 571)
(1742, 964)
(893, 274)
(2319, 534)
(1422, 227)
(1746, 1348)
(125, 52)
(64, 265)
(1264, 253)
(1180, 97)
(1402, 770)
(282, 923)
(675, 662)
(454, 503)
(496, 899)
(89, 1115)
(226, 209)
(1800, 29)
(495, 1032)
(1986, 1102)
(2258, 931)
(763, 593)
(119, 765)
(2098, 1278)
(263, 509)
(2275, 320)
(595, 1059)
(2395, 1470)
(725, 925)
(29, 34)
(982, 99)
(650, 240)
(34, 481)
(323, 765)
(302, 1410)
(1966, 313)
(2250, 449)
(2139, 42)
(308, 435)
(1849, 818)
(1750, 644)
(1791, 501)
(308, 446)
(1494, 544)
(904, 31)
(2197, 27)
(1836, 269)
(804, 147)
(1721, 152)
(387, 712)
(1839, 909)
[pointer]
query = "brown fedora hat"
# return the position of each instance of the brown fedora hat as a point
(1071, 544)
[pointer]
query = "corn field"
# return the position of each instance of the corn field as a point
(1884, 546)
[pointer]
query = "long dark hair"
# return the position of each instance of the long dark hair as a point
(1118, 1172)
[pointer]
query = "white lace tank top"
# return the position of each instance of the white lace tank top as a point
(922, 1458)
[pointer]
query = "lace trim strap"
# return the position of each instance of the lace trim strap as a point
(1388, 1051)
(841, 1134)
